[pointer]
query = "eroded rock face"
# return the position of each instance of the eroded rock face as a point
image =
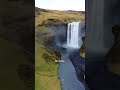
(79, 64)
(114, 54)
(82, 49)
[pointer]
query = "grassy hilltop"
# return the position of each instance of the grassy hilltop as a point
(43, 16)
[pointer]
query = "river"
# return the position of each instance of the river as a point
(67, 73)
(66, 70)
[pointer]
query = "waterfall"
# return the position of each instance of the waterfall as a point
(74, 34)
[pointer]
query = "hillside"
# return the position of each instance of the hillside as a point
(45, 66)
(43, 16)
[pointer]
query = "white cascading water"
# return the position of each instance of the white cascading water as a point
(74, 37)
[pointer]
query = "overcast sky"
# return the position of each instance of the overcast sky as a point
(78, 5)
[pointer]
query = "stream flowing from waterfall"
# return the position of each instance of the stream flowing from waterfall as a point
(66, 70)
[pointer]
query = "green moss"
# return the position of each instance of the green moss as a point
(52, 21)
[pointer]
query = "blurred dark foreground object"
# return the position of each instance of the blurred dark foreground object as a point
(113, 56)
(17, 45)
(16, 66)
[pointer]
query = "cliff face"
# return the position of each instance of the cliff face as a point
(82, 49)
(79, 64)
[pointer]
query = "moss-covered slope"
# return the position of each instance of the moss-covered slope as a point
(45, 65)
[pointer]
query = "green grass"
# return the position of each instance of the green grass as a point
(46, 69)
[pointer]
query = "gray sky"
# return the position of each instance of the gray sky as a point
(78, 5)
